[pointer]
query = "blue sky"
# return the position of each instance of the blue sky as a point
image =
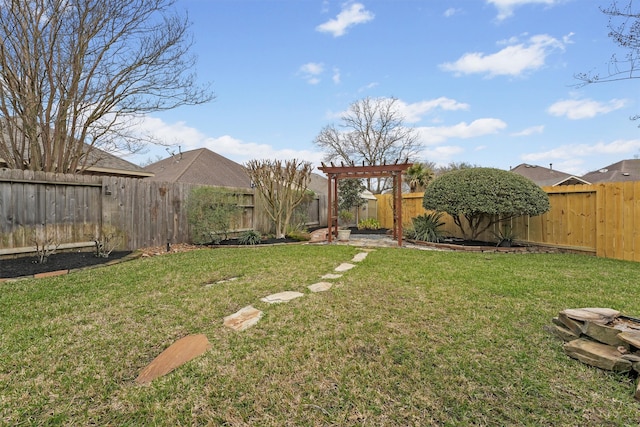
(489, 82)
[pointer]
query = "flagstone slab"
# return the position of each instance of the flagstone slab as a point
(177, 354)
(359, 257)
(243, 319)
(331, 276)
(285, 296)
(345, 266)
(320, 287)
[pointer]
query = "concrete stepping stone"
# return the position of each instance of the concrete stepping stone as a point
(331, 276)
(359, 257)
(345, 266)
(320, 287)
(177, 354)
(243, 319)
(285, 296)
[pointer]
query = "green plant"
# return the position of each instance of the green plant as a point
(368, 224)
(249, 237)
(426, 227)
(299, 235)
(212, 213)
(350, 194)
(505, 236)
(477, 198)
(345, 217)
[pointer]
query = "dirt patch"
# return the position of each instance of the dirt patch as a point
(29, 265)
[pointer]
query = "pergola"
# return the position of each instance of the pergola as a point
(335, 173)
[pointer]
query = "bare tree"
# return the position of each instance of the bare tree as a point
(624, 29)
(283, 186)
(76, 75)
(373, 132)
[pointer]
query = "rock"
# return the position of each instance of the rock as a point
(631, 357)
(630, 337)
(177, 354)
(563, 333)
(243, 318)
(637, 395)
(592, 314)
(345, 266)
(359, 257)
(597, 354)
(573, 325)
(331, 276)
(604, 334)
(320, 287)
(285, 296)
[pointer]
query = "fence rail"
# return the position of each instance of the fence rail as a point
(603, 219)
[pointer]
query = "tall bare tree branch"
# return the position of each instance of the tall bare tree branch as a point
(75, 75)
(373, 132)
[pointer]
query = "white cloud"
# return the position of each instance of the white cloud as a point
(414, 112)
(516, 59)
(311, 72)
(576, 109)
(533, 130)
(437, 134)
(351, 14)
(506, 7)
(450, 12)
(620, 147)
(441, 155)
(189, 138)
(336, 76)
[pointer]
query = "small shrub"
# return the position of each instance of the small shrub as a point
(299, 235)
(250, 237)
(212, 213)
(368, 224)
(505, 236)
(426, 227)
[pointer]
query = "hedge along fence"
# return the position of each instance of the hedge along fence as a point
(71, 210)
(601, 219)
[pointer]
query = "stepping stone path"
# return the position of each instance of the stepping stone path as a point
(192, 346)
(360, 257)
(320, 287)
(285, 296)
(177, 354)
(243, 319)
(345, 266)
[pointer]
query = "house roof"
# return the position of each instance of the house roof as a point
(547, 176)
(624, 170)
(100, 162)
(318, 183)
(200, 166)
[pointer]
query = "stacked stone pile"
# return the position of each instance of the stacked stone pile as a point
(601, 337)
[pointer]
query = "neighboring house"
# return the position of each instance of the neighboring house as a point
(201, 166)
(624, 170)
(99, 162)
(318, 184)
(103, 163)
(547, 176)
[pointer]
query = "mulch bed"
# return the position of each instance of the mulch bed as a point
(29, 265)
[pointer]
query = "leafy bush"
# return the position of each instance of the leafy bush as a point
(483, 197)
(426, 227)
(249, 237)
(211, 213)
(368, 224)
(299, 235)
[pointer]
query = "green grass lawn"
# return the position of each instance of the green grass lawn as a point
(408, 337)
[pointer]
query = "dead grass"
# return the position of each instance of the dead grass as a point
(406, 338)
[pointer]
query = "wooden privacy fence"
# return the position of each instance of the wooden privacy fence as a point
(602, 219)
(72, 210)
